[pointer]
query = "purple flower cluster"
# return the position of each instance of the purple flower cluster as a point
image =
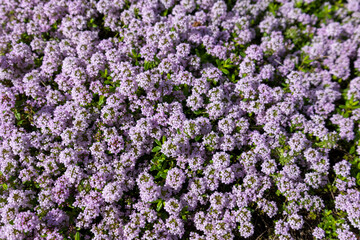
(190, 119)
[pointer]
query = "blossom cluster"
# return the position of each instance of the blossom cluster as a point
(179, 119)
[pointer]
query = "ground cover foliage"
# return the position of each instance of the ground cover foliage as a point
(191, 119)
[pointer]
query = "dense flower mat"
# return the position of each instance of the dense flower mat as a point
(191, 119)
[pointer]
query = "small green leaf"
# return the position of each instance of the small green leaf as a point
(163, 139)
(154, 167)
(159, 205)
(198, 112)
(158, 142)
(134, 52)
(101, 100)
(225, 71)
(17, 115)
(155, 201)
(77, 236)
(242, 54)
(156, 149)
(165, 13)
(186, 90)
(107, 81)
(327, 212)
(163, 174)
(197, 138)
(238, 25)
(218, 62)
(358, 178)
(352, 150)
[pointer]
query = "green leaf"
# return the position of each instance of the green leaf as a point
(17, 115)
(101, 100)
(163, 174)
(218, 62)
(225, 71)
(134, 52)
(159, 205)
(108, 80)
(155, 201)
(327, 212)
(238, 25)
(5, 186)
(352, 150)
(163, 139)
(156, 149)
(158, 142)
(154, 167)
(198, 112)
(161, 159)
(358, 178)
(198, 137)
(165, 13)
(77, 236)
(186, 90)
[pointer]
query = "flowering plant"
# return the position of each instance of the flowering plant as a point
(179, 119)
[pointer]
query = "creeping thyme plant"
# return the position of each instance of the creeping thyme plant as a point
(179, 119)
